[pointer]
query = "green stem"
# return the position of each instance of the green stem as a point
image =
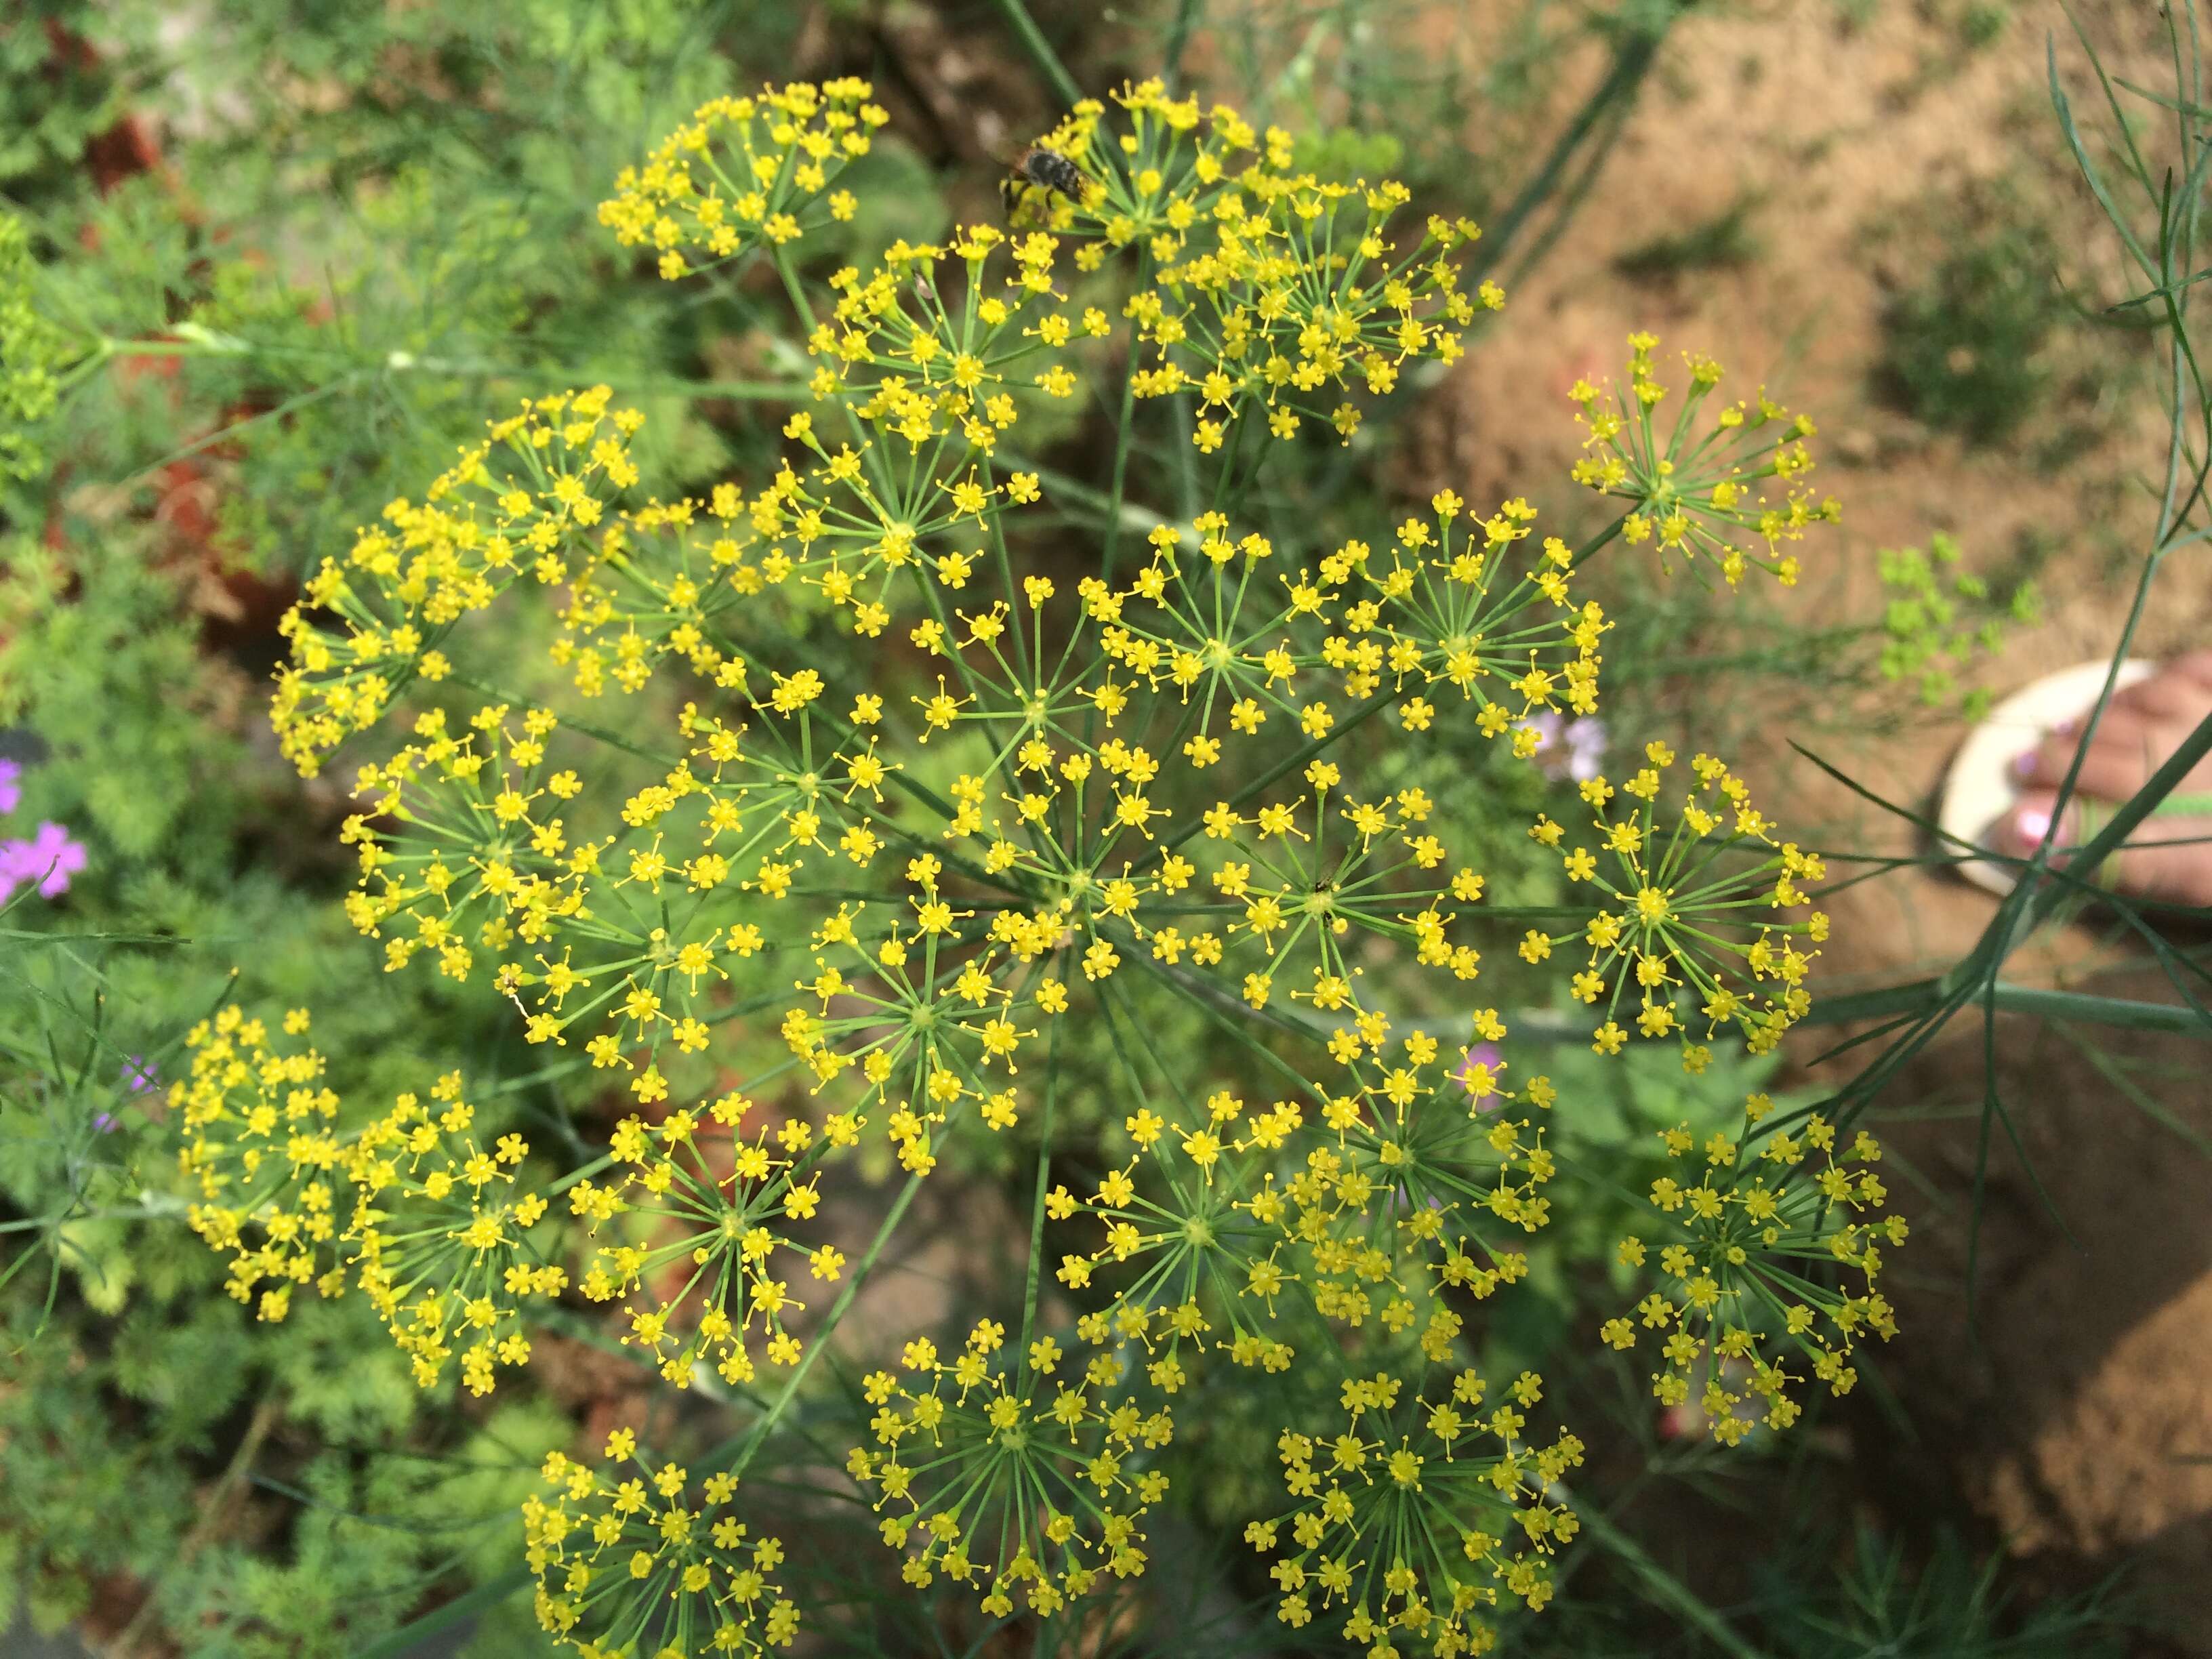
(1920, 996)
(1043, 1183)
(1040, 53)
(1664, 1589)
(1632, 61)
(1121, 444)
(1186, 19)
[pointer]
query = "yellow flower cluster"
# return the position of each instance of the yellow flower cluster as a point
(744, 171)
(695, 1235)
(1261, 290)
(1069, 792)
(522, 501)
(1080, 810)
(1406, 1185)
(1418, 1516)
(1747, 1245)
(1682, 915)
(408, 1206)
(1017, 1469)
(439, 1234)
(1702, 495)
(262, 1157)
(636, 1561)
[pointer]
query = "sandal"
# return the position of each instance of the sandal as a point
(1982, 789)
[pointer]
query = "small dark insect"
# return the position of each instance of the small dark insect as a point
(1045, 170)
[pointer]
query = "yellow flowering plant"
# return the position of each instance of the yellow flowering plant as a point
(850, 798)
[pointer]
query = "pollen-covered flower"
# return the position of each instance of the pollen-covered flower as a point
(632, 1557)
(1734, 493)
(1418, 1516)
(1694, 906)
(1754, 1234)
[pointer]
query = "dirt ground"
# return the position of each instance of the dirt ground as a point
(2076, 1406)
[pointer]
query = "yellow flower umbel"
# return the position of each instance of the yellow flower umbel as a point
(745, 171)
(1684, 912)
(1421, 1181)
(1029, 781)
(698, 1238)
(519, 503)
(1018, 1472)
(1703, 494)
(1453, 610)
(631, 1560)
(1266, 292)
(440, 1238)
(1752, 1231)
(937, 343)
(1418, 1516)
(264, 1157)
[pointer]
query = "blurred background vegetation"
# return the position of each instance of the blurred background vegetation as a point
(276, 262)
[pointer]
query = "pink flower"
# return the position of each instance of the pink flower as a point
(11, 785)
(1568, 748)
(49, 858)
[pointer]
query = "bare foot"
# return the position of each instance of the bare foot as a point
(2142, 726)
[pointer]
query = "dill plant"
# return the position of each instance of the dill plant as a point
(1058, 791)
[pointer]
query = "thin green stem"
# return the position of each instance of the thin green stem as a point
(1044, 1184)
(1040, 53)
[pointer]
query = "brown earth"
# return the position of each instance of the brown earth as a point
(2074, 1405)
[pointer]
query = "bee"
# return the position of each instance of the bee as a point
(1045, 170)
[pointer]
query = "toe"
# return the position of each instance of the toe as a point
(2194, 665)
(2022, 830)
(2116, 762)
(2168, 860)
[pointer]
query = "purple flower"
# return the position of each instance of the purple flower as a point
(11, 785)
(49, 858)
(1568, 748)
(138, 1075)
(1480, 1075)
